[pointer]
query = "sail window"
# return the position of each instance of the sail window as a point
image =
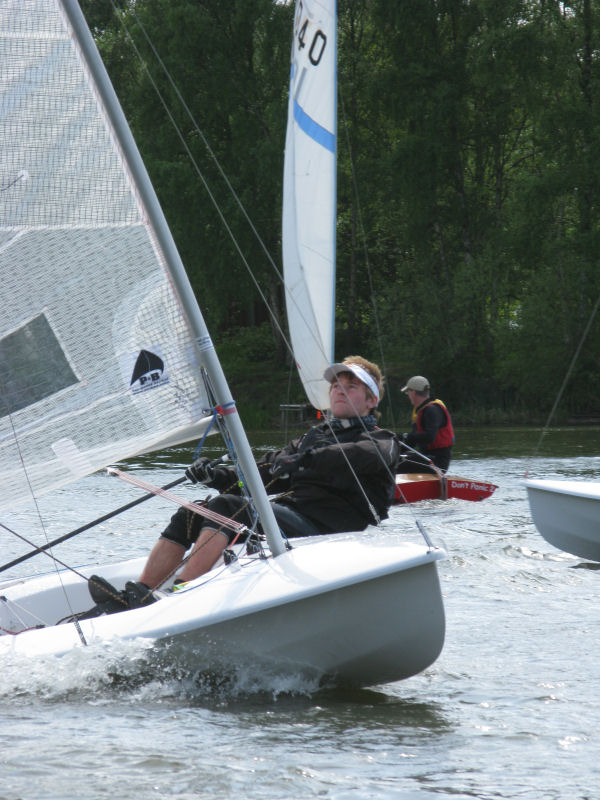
(33, 366)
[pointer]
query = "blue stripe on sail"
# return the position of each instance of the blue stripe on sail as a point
(313, 129)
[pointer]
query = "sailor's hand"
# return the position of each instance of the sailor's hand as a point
(285, 465)
(200, 471)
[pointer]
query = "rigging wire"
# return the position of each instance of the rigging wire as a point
(361, 228)
(37, 512)
(217, 164)
(241, 206)
(584, 336)
(203, 179)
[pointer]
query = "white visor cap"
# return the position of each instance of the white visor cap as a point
(334, 370)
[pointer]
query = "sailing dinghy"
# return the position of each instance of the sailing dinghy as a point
(567, 514)
(105, 354)
(309, 228)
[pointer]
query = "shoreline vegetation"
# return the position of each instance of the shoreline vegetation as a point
(269, 398)
(468, 191)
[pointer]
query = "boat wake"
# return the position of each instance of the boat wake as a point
(140, 672)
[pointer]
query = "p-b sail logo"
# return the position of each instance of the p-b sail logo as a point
(149, 371)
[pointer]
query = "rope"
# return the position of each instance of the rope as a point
(62, 564)
(215, 160)
(235, 197)
(197, 508)
(361, 228)
(567, 376)
(194, 549)
(37, 508)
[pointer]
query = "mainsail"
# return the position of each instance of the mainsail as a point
(309, 197)
(97, 358)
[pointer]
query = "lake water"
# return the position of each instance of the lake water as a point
(509, 710)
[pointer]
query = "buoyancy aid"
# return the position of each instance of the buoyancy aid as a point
(445, 434)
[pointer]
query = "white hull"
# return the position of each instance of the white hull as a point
(567, 514)
(354, 613)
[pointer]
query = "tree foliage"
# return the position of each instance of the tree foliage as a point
(468, 180)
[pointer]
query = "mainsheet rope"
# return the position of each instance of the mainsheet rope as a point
(38, 512)
(225, 522)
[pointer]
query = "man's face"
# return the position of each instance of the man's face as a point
(349, 397)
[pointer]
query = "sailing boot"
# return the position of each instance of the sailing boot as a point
(138, 594)
(108, 599)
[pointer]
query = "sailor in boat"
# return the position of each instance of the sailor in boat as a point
(337, 477)
(432, 432)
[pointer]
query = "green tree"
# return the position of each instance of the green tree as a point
(229, 63)
(468, 155)
(556, 230)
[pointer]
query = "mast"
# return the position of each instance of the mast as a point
(206, 350)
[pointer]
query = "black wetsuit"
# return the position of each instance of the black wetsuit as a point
(347, 484)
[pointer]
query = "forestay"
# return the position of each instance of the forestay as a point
(97, 361)
(309, 197)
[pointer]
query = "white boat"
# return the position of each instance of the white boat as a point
(567, 514)
(93, 285)
(348, 612)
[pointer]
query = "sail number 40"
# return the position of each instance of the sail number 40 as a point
(317, 42)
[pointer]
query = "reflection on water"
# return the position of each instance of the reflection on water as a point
(592, 565)
(527, 442)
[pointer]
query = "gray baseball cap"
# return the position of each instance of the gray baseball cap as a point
(418, 383)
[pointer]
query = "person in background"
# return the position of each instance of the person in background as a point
(338, 476)
(432, 432)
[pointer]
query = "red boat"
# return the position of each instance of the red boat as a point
(416, 486)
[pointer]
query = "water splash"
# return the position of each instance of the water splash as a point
(143, 673)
